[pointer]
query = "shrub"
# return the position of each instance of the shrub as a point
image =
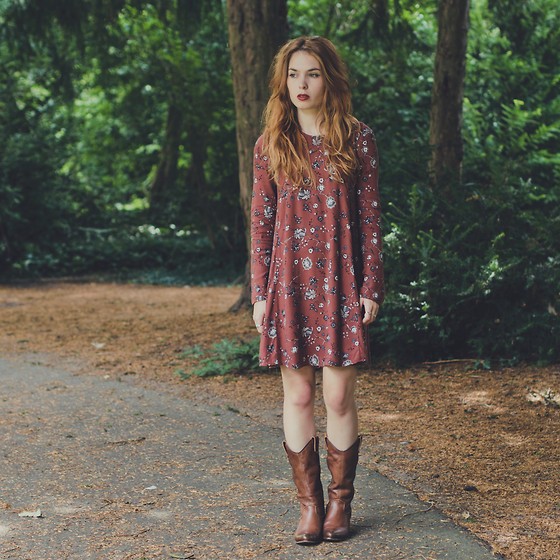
(224, 357)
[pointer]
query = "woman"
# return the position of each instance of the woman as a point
(316, 267)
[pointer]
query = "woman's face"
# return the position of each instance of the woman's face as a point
(306, 83)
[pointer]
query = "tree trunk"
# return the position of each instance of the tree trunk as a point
(447, 95)
(196, 180)
(256, 29)
(167, 168)
(380, 10)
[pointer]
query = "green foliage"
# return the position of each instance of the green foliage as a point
(143, 253)
(474, 277)
(93, 149)
(195, 351)
(34, 198)
(225, 357)
(84, 99)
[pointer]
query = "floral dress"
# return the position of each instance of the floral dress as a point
(314, 252)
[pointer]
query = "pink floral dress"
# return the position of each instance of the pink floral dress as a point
(314, 252)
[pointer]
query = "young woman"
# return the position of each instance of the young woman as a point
(316, 267)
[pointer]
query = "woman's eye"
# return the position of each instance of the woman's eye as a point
(314, 75)
(292, 75)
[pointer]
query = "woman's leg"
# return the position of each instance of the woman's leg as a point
(343, 445)
(339, 385)
(299, 401)
(302, 449)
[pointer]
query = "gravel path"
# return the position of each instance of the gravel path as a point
(119, 471)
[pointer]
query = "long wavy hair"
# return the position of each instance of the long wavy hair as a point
(283, 140)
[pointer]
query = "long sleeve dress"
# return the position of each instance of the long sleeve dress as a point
(315, 250)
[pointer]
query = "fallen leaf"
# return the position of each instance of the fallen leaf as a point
(548, 397)
(36, 513)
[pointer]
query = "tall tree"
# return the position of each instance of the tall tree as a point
(169, 155)
(447, 94)
(256, 29)
(173, 34)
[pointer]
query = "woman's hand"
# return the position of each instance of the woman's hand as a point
(370, 308)
(259, 309)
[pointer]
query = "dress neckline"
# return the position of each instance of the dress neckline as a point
(314, 138)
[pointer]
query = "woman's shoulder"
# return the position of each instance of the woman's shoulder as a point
(363, 137)
(260, 154)
(363, 130)
(258, 150)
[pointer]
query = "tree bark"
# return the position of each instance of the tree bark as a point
(447, 95)
(256, 29)
(167, 168)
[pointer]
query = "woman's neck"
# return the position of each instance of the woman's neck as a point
(308, 122)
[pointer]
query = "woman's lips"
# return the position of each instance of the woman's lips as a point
(303, 97)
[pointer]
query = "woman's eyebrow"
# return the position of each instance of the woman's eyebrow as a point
(310, 70)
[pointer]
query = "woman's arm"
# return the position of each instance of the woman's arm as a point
(263, 218)
(369, 218)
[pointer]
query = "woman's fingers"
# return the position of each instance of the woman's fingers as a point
(259, 323)
(259, 310)
(370, 308)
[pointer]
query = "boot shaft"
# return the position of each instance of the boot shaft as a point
(342, 465)
(306, 472)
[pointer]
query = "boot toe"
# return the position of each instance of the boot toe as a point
(308, 539)
(336, 535)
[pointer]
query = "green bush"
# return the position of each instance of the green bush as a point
(224, 357)
(140, 253)
(474, 277)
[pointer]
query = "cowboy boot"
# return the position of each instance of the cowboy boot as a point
(342, 465)
(306, 471)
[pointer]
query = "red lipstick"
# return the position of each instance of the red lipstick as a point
(303, 97)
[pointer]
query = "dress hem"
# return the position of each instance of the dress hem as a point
(318, 366)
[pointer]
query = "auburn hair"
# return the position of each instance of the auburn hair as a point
(283, 141)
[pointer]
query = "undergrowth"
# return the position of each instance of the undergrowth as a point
(222, 358)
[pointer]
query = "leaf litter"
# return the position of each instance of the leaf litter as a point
(497, 431)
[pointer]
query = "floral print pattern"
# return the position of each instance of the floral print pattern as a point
(314, 252)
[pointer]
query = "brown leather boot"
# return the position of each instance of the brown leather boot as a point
(342, 465)
(306, 471)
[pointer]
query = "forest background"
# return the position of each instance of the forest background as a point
(118, 157)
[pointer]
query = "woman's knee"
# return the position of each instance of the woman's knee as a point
(301, 398)
(339, 402)
(299, 389)
(338, 391)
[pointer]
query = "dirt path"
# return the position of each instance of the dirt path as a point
(109, 470)
(468, 441)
